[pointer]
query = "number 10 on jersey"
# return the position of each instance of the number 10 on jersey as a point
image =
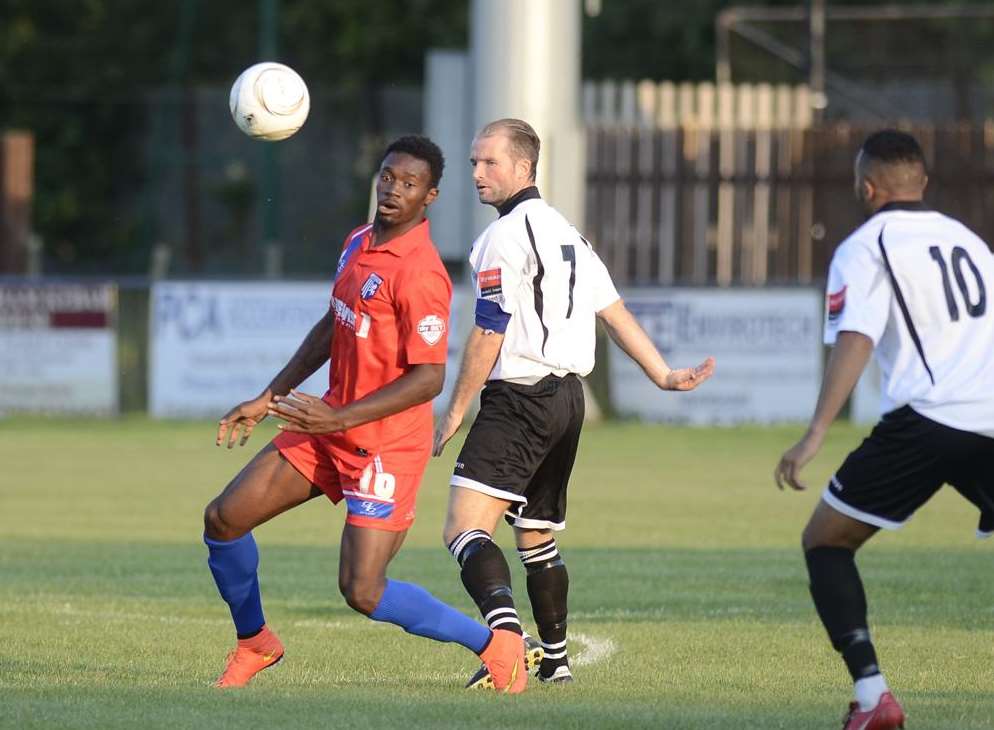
(958, 259)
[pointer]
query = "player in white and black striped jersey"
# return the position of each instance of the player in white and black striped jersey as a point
(540, 289)
(914, 286)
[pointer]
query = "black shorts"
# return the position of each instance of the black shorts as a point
(903, 462)
(522, 446)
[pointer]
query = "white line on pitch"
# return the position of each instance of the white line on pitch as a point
(68, 609)
(594, 649)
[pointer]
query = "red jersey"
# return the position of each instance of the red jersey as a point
(391, 305)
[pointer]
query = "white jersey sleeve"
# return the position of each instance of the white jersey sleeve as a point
(604, 292)
(858, 297)
(498, 262)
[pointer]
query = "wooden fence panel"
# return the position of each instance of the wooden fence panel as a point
(750, 207)
(732, 186)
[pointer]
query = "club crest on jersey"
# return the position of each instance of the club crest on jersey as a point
(368, 290)
(489, 282)
(835, 303)
(431, 329)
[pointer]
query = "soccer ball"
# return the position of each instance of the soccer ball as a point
(269, 101)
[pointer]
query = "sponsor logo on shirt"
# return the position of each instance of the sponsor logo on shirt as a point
(346, 315)
(369, 288)
(431, 329)
(835, 303)
(489, 281)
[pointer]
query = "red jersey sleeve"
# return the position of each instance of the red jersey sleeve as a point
(422, 300)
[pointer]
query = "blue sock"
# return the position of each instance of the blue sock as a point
(418, 612)
(235, 567)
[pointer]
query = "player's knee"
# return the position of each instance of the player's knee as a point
(214, 525)
(816, 536)
(212, 520)
(812, 537)
(361, 595)
(453, 531)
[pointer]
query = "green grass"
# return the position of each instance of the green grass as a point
(689, 605)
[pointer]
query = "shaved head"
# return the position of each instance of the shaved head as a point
(890, 166)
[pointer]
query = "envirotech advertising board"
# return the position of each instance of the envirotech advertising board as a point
(58, 348)
(767, 343)
(216, 344)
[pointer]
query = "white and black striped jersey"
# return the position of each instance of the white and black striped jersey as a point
(919, 284)
(535, 265)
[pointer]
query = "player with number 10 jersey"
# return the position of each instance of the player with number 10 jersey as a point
(913, 286)
(915, 282)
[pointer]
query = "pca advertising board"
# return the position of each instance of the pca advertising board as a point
(216, 344)
(767, 343)
(58, 348)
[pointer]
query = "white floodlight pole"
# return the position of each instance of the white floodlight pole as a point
(525, 59)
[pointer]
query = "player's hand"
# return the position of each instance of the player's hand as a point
(689, 378)
(305, 413)
(793, 460)
(444, 431)
(241, 419)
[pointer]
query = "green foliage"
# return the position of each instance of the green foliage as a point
(646, 39)
(82, 75)
(72, 73)
(78, 74)
(351, 43)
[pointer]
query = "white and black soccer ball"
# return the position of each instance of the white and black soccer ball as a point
(269, 101)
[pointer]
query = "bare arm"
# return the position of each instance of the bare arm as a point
(626, 332)
(482, 350)
(312, 354)
(310, 414)
(849, 356)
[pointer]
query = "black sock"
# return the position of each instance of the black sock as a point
(487, 578)
(548, 587)
(841, 603)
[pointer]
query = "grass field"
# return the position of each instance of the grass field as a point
(689, 605)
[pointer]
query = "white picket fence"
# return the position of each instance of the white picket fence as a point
(667, 105)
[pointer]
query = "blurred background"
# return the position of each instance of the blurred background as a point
(154, 258)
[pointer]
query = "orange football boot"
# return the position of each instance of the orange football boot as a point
(534, 652)
(504, 658)
(250, 657)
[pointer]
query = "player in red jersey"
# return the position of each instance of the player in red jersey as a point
(366, 441)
